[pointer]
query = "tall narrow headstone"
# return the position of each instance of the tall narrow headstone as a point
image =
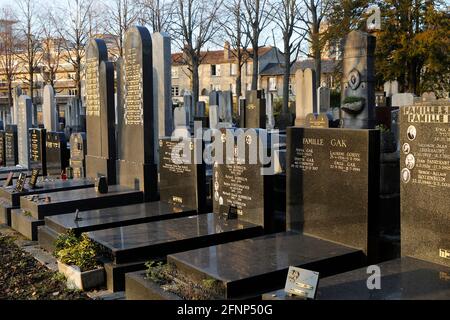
(188, 104)
(214, 98)
(391, 88)
(56, 153)
(11, 149)
(49, 114)
(38, 159)
(24, 122)
(162, 82)
(213, 116)
(2, 149)
(78, 154)
(305, 95)
(100, 113)
(358, 81)
(255, 110)
(136, 165)
(323, 99)
(269, 111)
(200, 109)
(17, 92)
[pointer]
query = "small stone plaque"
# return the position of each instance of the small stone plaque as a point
(302, 283)
(21, 182)
(33, 178)
(8, 180)
(319, 121)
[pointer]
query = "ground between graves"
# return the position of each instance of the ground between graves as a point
(24, 278)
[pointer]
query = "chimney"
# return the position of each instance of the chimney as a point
(226, 50)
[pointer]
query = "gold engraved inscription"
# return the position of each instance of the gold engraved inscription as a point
(92, 87)
(133, 104)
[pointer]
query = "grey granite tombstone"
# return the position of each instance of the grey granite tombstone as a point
(180, 116)
(162, 83)
(56, 153)
(402, 99)
(200, 109)
(391, 88)
(188, 103)
(2, 149)
(136, 166)
(213, 116)
(323, 99)
(270, 123)
(100, 113)
(49, 112)
(78, 154)
(16, 95)
(255, 110)
(38, 159)
(425, 181)
(228, 106)
(358, 81)
(214, 98)
(341, 166)
(24, 122)
(11, 151)
(305, 94)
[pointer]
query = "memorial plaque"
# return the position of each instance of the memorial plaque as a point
(100, 113)
(20, 183)
(33, 178)
(137, 167)
(255, 110)
(319, 121)
(425, 181)
(302, 283)
(332, 184)
(11, 152)
(38, 159)
(241, 184)
(2, 149)
(56, 150)
(78, 154)
(182, 181)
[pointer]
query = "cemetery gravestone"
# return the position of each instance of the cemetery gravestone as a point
(16, 95)
(358, 81)
(255, 110)
(56, 153)
(38, 159)
(78, 154)
(100, 113)
(402, 99)
(391, 88)
(213, 116)
(323, 99)
(136, 165)
(305, 94)
(24, 122)
(11, 152)
(49, 112)
(2, 149)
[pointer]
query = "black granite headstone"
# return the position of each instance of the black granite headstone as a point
(33, 178)
(20, 183)
(425, 181)
(2, 149)
(78, 154)
(332, 184)
(11, 151)
(255, 109)
(56, 152)
(136, 166)
(38, 159)
(239, 182)
(182, 181)
(100, 113)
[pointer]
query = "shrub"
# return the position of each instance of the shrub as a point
(81, 252)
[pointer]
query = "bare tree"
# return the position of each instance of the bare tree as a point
(8, 47)
(122, 14)
(157, 14)
(194, 25)
(315, 11)
(234, 29)
(256, 18)
(75, 27)
(52, 49)
(286, 15)
(29, 56)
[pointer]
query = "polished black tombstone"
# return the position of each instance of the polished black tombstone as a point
(319, 162)
(255, 109)
(56, 153)
(100, 113)
(10, 197)
(38, 158)
(34, 208)
(139, 244)
(11, 151)
(136, 164)
(2, 149)
(423, 271)
(78, 154)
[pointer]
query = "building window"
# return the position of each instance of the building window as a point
(272, 84)
(233, 69)
(175, 91)
(215, 70)
(175, 73)
(73, 92)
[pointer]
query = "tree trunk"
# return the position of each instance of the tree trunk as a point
(255, 68)
(195, 81)
(239, 77)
